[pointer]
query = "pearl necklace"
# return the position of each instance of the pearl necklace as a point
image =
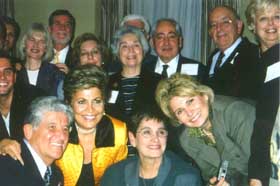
(84, 131)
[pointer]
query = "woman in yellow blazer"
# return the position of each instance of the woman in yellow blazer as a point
(97, 140)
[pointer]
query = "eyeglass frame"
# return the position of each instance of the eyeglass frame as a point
(152, 134)
(223, 23)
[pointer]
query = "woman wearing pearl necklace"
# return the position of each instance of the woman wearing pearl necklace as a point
(97, 140)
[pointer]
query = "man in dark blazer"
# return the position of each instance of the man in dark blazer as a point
(167, 41)
(46, 133)
(232, 68)
(14, 99)
(62, 29)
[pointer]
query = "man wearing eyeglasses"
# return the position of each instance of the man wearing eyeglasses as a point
(167, 40)
(232, 68)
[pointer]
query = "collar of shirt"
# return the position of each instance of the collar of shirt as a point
(227, 53)
(7, 122)
(39, 162)
(173, 63)
(62, 54)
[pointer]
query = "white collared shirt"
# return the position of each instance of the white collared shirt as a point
(227, 53)
(172, 66)
(39, 162)
(7, 123)
(62, 54)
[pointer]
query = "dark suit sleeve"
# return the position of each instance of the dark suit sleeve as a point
(10, 172)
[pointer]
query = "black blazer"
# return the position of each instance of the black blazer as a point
(48, 78)
(145, 93)
(68, 60)
(239, 75)
(22, 97)
(151, 65)
(12, 173)
(266, 111)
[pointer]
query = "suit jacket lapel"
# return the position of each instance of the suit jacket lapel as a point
(3, 130)
(31, 170)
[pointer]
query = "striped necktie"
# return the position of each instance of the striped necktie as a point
(219, 61)
(47, 176)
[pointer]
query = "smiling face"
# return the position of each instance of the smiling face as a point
(50, 138)
(191, 111)
(61, 30)
(90, 53)
(35, 46)
(130, 51)
(88, 107)
(166, 41)
(267, 27)
(224, 27)
(151, 147)
(7, 77)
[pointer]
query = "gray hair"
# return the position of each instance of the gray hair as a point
(131, 17)
(37, 27)
(172, 21)
(256, 6)
(129, 30)
(41, 105)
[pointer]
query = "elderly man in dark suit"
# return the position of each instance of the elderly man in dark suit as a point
(62, 29)
(232, 67)
(46, 133)
(167, 41)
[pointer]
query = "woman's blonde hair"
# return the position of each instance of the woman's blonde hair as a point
(256, 6)
(37, 27)
(179, 85)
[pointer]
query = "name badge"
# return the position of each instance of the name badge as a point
(272, 72)
(189, 69)
(114, 96)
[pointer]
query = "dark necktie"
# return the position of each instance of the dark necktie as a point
(219, 61)
(47, 176)
(164, 71)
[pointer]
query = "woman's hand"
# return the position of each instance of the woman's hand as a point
(214, 181)
(12, 148)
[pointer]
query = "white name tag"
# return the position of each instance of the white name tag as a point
(114, 96)
(189, 69)
(272, 72)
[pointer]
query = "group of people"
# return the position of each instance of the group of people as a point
(69, 117)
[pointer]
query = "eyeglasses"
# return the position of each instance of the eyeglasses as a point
(148, 133)
(224, 24)
(94, 52)
(170, 36)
